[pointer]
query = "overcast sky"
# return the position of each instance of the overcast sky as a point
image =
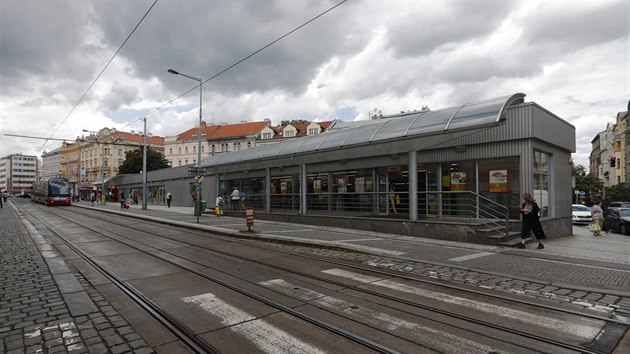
(571, 57)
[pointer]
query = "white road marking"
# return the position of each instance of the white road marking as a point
(268, 338)
(444, 342)
(588, 331)
(471, 256)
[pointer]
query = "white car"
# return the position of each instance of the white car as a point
(582, 214)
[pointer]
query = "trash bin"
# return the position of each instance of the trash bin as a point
(204, 204)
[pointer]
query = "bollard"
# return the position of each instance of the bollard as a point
(249, 215)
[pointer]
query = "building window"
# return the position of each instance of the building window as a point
(289, 133)
(194, 149)
(266, 136)
(541, 181)
(170, 151)
(249, 144)
(179, 162)
(186, 161)
(313, 131)
(186, 150)
(213, 148)
(179, 151)
(120, 152)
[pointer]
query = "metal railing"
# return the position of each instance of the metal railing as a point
(492, 216)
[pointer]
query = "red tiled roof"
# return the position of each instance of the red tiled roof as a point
(191, 134)
(236, 130)
(155, 140)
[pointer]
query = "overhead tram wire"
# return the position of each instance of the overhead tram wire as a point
(101, 73)
(240, 61)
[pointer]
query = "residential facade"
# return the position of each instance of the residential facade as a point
(18, 173)
(270, 135)
(51, 164)
(98, 156)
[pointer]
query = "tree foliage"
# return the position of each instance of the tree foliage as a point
(294, 121)
(133, 161)
(617, 192)
(584, 181)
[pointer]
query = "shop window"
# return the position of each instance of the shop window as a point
(499, 181)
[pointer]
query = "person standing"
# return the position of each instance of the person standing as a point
(218, 205)
(598, 218)
(122, 201)
(392, 198)
(235, 198)
(169, 198)
(531, 221)
(92, 198)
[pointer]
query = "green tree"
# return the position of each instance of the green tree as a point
(294, 121)
(617, 192)
(585, 181)
(133, 161)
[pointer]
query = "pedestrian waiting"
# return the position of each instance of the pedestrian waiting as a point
(531, 221)
(218, 205)
(235, 198)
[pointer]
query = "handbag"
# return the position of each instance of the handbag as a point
(594, 227)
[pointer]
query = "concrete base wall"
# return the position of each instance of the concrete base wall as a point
(439, 229)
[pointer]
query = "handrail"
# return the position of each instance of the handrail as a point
(487, 215)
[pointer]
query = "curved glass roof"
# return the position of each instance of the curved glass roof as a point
(468, 116)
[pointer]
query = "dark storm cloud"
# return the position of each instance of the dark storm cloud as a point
(203, 38)
(43, 39)
(421, 32)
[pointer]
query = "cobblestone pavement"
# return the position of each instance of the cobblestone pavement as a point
(42, 310)
(618, 306)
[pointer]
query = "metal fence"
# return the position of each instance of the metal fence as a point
(446, 204)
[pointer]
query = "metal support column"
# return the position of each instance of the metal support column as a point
(413, 185)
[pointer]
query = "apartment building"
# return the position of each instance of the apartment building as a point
(181, 150)
(99, 155)
(51, 164)
(18, 173)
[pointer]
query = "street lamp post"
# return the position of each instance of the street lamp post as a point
(197, 185)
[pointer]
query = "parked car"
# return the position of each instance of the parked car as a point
(581, 214)
(618, 220)
(619, 205)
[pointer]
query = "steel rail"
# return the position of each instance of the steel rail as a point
(310, 319)
(407, 277)
(179, 330)
(374, 293)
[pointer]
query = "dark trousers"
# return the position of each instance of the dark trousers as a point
(532, 224)
(168, 202)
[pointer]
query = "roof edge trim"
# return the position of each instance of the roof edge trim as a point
(514, 99)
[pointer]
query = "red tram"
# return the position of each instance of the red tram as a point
(52, 191)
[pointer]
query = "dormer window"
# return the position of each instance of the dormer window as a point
(289, 133)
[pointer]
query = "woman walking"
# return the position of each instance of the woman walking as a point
(531, 221)
(598, 218)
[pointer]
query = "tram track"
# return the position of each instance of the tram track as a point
(364, 341)
(422, 280)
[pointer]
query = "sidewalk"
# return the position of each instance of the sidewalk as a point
(46, 306)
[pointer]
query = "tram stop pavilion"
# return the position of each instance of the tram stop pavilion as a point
(456, 173)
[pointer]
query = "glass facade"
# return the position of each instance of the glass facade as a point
(448, 189)
(541, 181)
